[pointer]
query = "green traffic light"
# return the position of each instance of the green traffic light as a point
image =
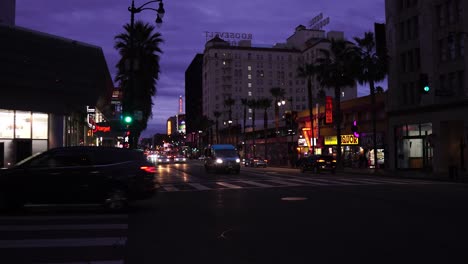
(128, 119)
(426, 88)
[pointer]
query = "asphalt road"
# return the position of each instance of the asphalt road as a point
(263, 215)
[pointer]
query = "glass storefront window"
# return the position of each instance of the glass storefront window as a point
(426, 129)
(6, 123)
(40, 126)
(23, 124)
(413, 130)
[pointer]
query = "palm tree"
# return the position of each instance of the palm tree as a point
(217, 114)
(253, 104)
(308, 71)
(139, 87)
(265, 103)
(229, 102)
(373, 68)
(336, 69)
(278, 93)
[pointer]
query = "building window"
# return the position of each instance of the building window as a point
(461, 82)
(417, 59)
(451, 49)
(250, 93)
(249, 76)
(249, 85)
(442, 82)
(249, 68)
(40, 126)
(452, 81)
(22, 124)
(443, 50)
(441, 15)
(451, 12)
(7, 123)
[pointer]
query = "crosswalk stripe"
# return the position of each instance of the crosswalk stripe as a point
(360, 181)
(67, 242)
(61, 227)
(332, 182)
(198, 186)
(257, 184)
(170, 188)
(225, 184)
(284, 182)
(63, 217)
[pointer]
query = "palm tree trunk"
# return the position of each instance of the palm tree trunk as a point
(265, 127)
(217, 132)
(337, 116)
(311, 115)
(374, 121)
(253, 132)
(245, 136)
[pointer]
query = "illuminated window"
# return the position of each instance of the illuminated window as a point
(249, 76)
(224, 62)
(23, 124)
(40, 123)
(6, 123)
(249, 68)
(249, 85)
(250, 93)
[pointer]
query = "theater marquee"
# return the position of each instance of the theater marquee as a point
(345, 140)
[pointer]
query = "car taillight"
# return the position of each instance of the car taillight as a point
(149, 169)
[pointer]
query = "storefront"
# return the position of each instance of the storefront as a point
(413, 146)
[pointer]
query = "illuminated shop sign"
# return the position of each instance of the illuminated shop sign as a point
(101, 128)
(345, 140)
(328, 110)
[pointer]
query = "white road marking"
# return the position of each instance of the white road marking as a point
(90, 262)
(257, 184)
(67, 242)
(225, 184)
(308, 182)
(170, 188)
(332, 182)
(284, 183)
(62, 227)
(198, 186)
(64, 217)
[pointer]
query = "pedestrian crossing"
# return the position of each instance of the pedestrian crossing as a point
(282, 181)
(63, 239)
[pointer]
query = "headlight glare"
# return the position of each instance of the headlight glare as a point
(219, 161)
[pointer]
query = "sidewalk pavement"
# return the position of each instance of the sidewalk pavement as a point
(408, 174)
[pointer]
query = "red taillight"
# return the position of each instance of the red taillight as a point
(149, 169)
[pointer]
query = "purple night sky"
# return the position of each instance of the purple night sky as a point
(98, 21)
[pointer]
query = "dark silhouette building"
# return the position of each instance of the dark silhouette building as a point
(193, 94)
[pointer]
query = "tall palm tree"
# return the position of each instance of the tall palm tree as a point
(373, 68)
(229, 102)
(265, 103)
(138, 94)
(308, 72)
(278, 93)
(336, 69)
(244, 102)
(253, 104)
(217, 114)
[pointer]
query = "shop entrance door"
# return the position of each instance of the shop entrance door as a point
(23, 149)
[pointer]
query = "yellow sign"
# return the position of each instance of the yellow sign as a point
(345, 140)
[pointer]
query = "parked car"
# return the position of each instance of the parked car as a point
(85, 175)
(180, 159)
(257, 162)
(317, 163)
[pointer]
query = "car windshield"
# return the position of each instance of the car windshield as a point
(228, 153)
(26, 160)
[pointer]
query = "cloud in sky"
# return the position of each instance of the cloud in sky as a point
(184, 24)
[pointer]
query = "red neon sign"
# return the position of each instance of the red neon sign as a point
(328, 110)
(101, 128)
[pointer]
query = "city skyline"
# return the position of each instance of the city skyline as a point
(184, 27)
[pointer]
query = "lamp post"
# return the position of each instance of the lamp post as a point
(229, 127)
(134, 10)
(278, 103)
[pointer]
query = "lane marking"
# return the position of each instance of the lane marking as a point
(307, 182)
(64, 217)
(199, 186)
(89, 262)
(332, 182)
(284, 182)
(225, 184)
(57, 243)
(170, 188)
(62, 227)
(257, 184)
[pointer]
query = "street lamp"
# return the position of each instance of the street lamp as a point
(279, 102)
(134, 10)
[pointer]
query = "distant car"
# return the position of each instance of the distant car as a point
(180, 159)
(164, 159)
(202, 157)
(317, 163)
(69, 175)
(222, 157)
(257, 162)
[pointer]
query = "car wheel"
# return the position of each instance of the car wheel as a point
(116, 200)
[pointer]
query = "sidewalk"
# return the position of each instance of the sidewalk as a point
(462, 177)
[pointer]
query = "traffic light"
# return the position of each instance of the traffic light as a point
(424, 86)
(127, 119)
(354, 129)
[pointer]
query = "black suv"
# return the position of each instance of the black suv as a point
(317, 163)
(84, 175)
